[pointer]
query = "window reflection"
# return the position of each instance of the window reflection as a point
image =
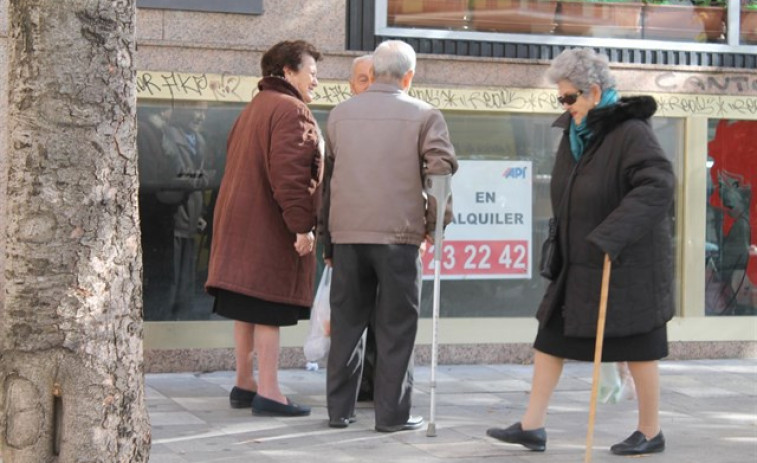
(731, 252)
(675, 20)
(182, 152)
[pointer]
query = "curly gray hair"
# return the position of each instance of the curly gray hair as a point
(582, 67)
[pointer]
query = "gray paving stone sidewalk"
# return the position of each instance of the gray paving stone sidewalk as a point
(708, 413)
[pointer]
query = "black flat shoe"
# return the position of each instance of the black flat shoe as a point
(341, 422)
(638, 444)
(241, 398)
(414, 422)
(535, 439)
(267, 407)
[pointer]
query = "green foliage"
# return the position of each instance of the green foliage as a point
(749, 5)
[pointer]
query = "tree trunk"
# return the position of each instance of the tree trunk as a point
(71, 365)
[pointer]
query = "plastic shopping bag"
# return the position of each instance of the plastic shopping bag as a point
(615, 383)
(318, 341)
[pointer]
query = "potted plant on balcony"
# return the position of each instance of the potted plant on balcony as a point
(697, 20)
(748, 21)
(515, 16)
(600, 18)
(439, 14)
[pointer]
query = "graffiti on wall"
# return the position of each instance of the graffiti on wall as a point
(234, 88)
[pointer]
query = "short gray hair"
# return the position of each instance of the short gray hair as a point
(582, 67)
(393, 59)
(359, 60)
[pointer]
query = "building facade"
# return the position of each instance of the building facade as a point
(482, 63)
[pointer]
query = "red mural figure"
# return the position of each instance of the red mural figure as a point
(732, 262)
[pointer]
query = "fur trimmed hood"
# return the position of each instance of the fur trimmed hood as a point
(603, 120)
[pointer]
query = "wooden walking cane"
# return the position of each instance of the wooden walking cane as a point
(598, 355)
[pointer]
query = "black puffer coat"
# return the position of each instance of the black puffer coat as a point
(619, 203)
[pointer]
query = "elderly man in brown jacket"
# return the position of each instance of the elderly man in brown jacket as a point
(382, 143)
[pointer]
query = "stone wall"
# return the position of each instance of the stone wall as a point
(202, 360)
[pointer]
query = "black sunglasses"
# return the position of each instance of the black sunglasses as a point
(569, 99)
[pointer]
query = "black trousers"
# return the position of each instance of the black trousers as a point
(359, 269)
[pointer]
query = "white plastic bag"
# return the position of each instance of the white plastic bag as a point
(615, 383)
(319, 338)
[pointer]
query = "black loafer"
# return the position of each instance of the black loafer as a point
(414, 422)
(241, 398)
(638, 444)
(534, 439)
(341, 422)
(267, 407)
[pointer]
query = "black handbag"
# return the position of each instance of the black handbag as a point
(551, 257)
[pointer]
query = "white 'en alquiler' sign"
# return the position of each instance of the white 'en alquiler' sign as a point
(490, 235)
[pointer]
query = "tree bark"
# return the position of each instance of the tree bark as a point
(71, 365)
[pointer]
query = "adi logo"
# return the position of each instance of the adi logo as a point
(515, 172)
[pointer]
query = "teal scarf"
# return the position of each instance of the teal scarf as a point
(580, 134)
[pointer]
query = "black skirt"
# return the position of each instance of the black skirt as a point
(250, 309)
(636, 348)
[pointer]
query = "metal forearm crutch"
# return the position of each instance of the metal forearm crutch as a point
(438, 186)
(598, 355)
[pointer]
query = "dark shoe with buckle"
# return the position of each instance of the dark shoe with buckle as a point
(638, 444)
(414, 422)
(341, 422)
(533, 439)
(241, 398)
(267, 407)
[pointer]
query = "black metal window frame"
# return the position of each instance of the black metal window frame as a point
(362, 36)
(254, 7)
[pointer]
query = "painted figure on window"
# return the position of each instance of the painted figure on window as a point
(732, 257)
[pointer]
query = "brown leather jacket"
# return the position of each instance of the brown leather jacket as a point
(381, 146)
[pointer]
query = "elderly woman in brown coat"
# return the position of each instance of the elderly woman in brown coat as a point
(262, 264)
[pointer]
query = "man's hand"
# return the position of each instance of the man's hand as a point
(427, 243)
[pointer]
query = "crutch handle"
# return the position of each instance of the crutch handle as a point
(440, 187)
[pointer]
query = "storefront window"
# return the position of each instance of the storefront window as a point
(701, 21)
(731, 246)
(182, 155)
(177, 199)
(516, 137)
(748, 25)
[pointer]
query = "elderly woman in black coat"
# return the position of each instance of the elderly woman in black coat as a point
(612, 188)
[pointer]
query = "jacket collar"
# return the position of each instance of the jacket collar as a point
(278, 84)
(383, 88)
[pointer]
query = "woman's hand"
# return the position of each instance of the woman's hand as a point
(305, 243)
(313, 186)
